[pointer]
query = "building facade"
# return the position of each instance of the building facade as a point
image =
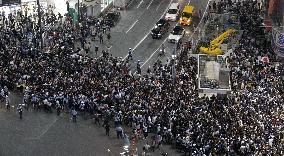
(88, 7)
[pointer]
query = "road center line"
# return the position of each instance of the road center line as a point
(45, 130)
(159, 5)
(148, 33)
(166, 9)
(131, 26)
(140, 3)
(130, 3)
(138, 44)
(205, 12)
(163, 41)
(153, 53)
(149, 4)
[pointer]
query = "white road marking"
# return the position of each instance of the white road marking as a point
(159, 5)
(163, 41)
(149, 4)
(166, 9)
(142, 40)
(138, 44)
(153, 53)
(205, 11)
(140, 3)
(130, 3)
(147, 33)
(48, 127)
(131, 26)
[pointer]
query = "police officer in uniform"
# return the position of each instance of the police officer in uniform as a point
(96, 50)
(129, 54)
(138, 67)
(58, 108)
(20, 111)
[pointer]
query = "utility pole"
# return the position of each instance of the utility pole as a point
(174, 63)
(39, 23)
(79, 14)
(68, 6)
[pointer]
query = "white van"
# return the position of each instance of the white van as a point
(173, 12)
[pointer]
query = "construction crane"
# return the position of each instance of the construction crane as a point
(214, 49)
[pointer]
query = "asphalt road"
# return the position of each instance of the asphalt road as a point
(133, 31)
(134, 27)
(149, 60)
(45, 134)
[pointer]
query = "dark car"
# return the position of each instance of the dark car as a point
(112, 18)
(161, 27)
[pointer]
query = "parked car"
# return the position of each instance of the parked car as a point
(177, 33)
(173, 12)
(161, 27)
(112, 18)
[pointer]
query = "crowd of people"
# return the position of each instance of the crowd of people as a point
(246, 122)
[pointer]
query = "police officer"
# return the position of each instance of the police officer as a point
(149, 70)
(101, 37)
(96, 50)
(214, 6)
(20, 111)
(104, 28)
(97, 118)
(2, 94)
(74, 115)
(58, 108)
(129, 54)
(162, 50)
(107, 128)
(138, 67)
(7, 100)
(108, 37)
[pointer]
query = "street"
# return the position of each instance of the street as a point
(63, 98)
(133, 31)
(39, 132)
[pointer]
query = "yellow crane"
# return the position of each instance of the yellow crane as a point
(214, 49)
